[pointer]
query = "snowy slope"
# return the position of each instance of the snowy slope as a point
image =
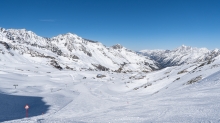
(53, 77)
(186, 93)
(70, 51)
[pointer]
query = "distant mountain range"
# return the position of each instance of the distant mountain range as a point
(181, 55)
(69, 51)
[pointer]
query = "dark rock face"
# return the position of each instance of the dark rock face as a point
(5, 44)
(100, 67)
(55, 64)
(100, 76)
(196, 79)
(67, 67)
(121, 68)
(74, 57)
(117, 46)
(90, 40)
(85, 51)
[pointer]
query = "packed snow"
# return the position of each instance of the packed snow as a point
(81, 97)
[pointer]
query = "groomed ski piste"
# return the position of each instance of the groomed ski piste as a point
(187, 93)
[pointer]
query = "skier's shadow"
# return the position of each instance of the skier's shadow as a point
(12, 106)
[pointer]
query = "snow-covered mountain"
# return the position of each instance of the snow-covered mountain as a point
(181, 55)
(185, 93)
(75, 80)
(69, 51)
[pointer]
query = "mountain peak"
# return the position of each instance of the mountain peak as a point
(216, 50)
(1, 29)
(117, 46)
(184, 47)
(69, 33)
(67, 36)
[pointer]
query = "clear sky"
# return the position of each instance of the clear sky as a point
(135, 24)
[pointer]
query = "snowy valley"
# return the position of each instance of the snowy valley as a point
(69, 79)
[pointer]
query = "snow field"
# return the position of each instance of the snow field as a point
(79, 97)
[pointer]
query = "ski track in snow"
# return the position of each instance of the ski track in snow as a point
(102, 101)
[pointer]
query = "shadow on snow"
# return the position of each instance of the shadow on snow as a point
(12, 107)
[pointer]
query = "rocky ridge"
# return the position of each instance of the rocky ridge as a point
(71, 51)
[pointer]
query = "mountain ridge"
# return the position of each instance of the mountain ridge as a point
(72, 51)
(76, 53)
(181, 55)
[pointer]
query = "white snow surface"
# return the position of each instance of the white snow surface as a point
(186, 93)
(137, 97)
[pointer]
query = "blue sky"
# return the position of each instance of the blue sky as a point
(135, 24)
